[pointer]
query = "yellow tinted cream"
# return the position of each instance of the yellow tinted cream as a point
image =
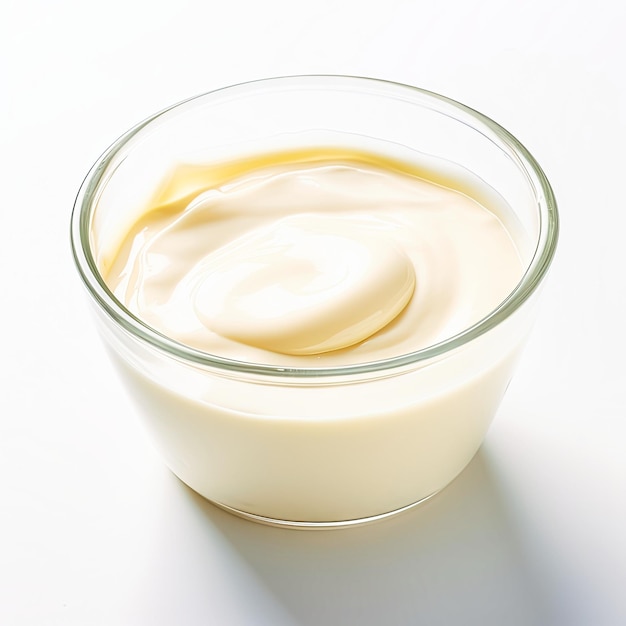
(317, 258)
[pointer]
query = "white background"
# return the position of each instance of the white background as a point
(94, 529)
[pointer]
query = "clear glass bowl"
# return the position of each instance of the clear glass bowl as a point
(327, 446)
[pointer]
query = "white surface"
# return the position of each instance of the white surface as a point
(96, 531)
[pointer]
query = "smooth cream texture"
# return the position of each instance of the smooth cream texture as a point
(308, 259)
(328, 259)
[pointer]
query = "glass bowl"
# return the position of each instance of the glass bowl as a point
(330, 445)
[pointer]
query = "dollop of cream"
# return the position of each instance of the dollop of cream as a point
(303, 285)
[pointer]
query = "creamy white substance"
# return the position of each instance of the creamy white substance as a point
(339, 262)
(307, 263)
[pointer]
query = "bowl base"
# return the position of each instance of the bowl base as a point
(302, 525)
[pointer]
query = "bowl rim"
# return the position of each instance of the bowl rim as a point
(537, 268)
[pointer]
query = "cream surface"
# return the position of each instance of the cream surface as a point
(339, 260)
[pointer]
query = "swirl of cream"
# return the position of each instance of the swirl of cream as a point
(290, 263)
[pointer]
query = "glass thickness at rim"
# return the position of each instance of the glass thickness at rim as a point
(498, 136)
